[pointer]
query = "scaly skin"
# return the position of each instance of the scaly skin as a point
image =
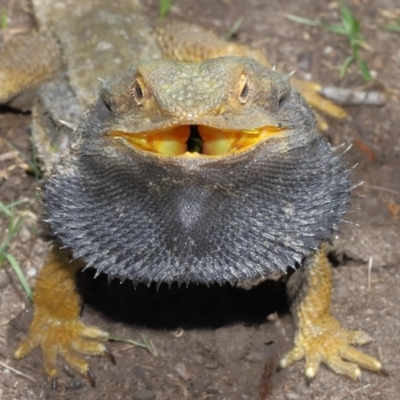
(56, 327)
(319, 337)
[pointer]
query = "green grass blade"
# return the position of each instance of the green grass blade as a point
(146, 344)
(165, 6)
(392, 27)
(234, 29)
(32, 163)
(5, 209)
(301, 20)
(347, 17)
(149, 346)
(356, 28)
(4, 20)
(349, 21)
(34, 166)
(345, 66)
(12, 231)
(18, 271)
(14, 224)
(365, 72)
(335, 28)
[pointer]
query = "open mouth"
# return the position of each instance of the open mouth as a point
(192, 140)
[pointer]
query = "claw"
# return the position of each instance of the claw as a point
(54, 382)
(91, 378)
(110, 356)
(384, 372)
(309, 379)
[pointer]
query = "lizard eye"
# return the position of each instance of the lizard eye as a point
(137, 93)
(244, 89)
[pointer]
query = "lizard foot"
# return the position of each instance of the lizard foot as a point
(69, 339)
(327, 342)
(56, 327)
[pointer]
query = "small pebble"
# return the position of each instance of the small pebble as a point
(143, 395)
(255, 356)
(183, 371)
(273, 317)
(211, 365)
(24, 234)
(76, 384)
(294, 396)
(197, 359)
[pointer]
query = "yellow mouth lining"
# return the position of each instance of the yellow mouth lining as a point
(180, 140)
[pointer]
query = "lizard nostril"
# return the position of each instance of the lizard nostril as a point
(282, 99)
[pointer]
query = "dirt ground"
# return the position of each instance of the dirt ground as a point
(223, 342)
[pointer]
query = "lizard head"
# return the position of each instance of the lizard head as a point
(214, 108)
(220, 107)
(204, 172)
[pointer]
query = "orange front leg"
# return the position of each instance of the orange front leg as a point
(56, 327)
(320, 338)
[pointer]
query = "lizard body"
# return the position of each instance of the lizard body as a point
(259, 192)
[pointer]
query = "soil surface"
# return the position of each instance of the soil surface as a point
(223, 342)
